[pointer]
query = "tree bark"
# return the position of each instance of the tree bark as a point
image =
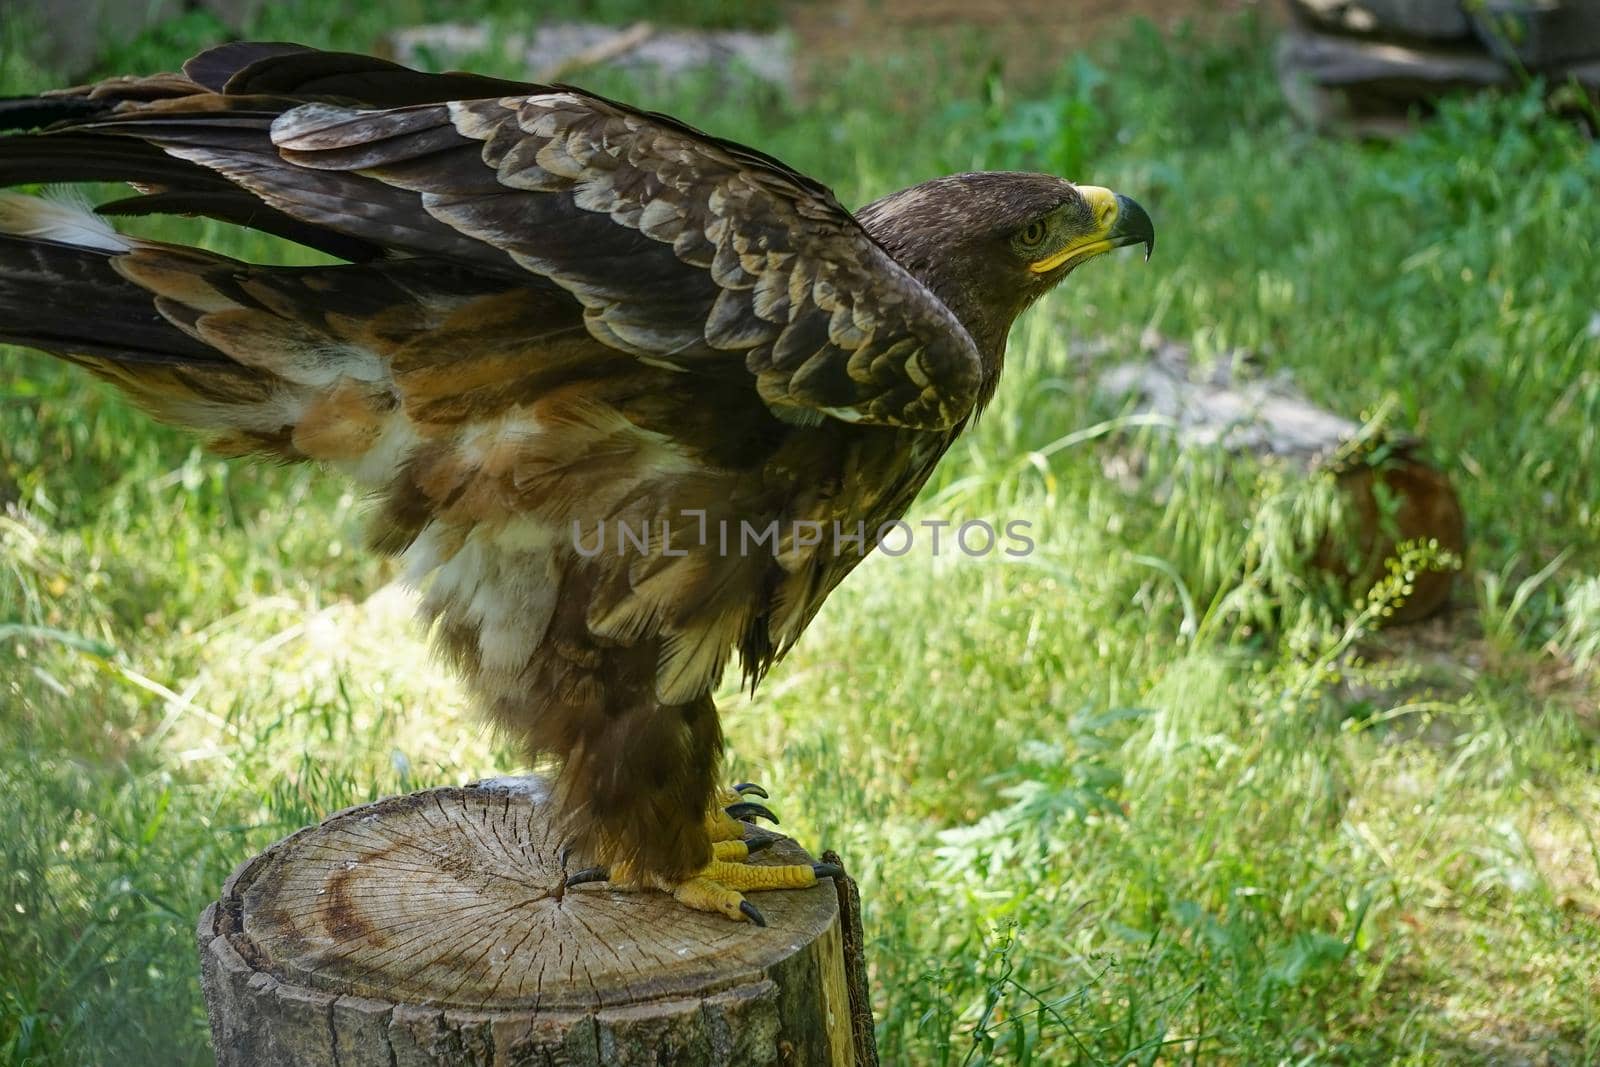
(433, 929)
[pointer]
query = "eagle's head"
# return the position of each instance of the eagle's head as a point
(990, 244)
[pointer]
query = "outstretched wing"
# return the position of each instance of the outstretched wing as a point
(687, 252)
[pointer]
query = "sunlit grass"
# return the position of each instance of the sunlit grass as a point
(1099, 815)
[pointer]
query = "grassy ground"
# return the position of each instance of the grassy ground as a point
(1127, 801)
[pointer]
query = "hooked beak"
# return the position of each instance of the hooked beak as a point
(1132, 227)
(1119, 221)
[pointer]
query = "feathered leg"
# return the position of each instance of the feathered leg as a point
(651, 818)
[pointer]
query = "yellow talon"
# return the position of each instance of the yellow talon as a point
(720, 886)
(723, 827)
(730, 851)
(748, 878)
(702, 894)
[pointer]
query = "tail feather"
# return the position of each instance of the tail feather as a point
(351, 364)
(69, 300)
(235, 206)
(86, 157)
(65, 289)
(294, 363)
(32, 112)
(199, 142)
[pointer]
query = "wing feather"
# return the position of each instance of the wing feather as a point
(687, 251)
(663, 234)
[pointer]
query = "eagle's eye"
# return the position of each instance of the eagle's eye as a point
(1033, 234)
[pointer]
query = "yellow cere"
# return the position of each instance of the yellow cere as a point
(1104, 204)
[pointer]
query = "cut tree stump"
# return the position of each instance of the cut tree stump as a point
(432, 929)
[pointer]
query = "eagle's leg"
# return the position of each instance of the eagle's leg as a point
(639, 785)
(720, 885)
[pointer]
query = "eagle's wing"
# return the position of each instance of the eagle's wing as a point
(686, 251)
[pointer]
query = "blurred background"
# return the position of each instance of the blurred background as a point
(1280, 748)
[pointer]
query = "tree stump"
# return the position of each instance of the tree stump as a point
(433, 929)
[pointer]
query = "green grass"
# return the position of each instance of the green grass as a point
(1130, 801)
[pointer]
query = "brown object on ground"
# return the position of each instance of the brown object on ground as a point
(1394, 498)
(1392, 493)
(434, 929)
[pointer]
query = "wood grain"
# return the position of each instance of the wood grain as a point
(433, 929)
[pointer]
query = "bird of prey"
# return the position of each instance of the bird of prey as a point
(576, 351)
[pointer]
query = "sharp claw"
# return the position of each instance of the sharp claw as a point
(750, 787)
(566, 854)
(755, 844)
(827, 870)
(750, 809)
(588, 874)
(752, 913)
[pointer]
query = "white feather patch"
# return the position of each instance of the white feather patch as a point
(382, 461)
(62, 216)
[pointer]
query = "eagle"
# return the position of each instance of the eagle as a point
(629, 398)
